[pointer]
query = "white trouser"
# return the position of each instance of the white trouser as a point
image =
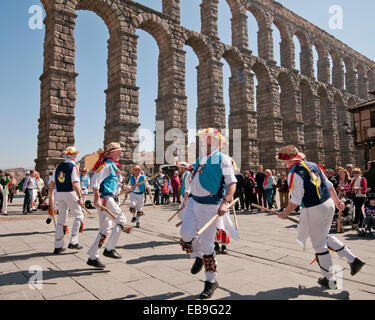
(196, 215)
(85, 192)
(317, 222)
(5, 200)
(136, 201)
(105, 225)
(67, 201)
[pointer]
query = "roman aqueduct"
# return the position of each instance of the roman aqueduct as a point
(292, 107)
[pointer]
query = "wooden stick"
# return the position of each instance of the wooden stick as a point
(140, 183)
(176, 213)
(214, 218)
(178, 224)
(85, 209)
(339, 226)
(235, 218)
(273, 212)
(103, 208)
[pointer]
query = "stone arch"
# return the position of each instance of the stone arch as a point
(363, 81)
(156, 27)
(239, 24)
(323, 63)
(265, 40)
(287, 57)
(351, 78)
(290, 110)
(329, 123)
(202, 49)
(338, 74)
(313, 135)
(346, 141)
(306, 54)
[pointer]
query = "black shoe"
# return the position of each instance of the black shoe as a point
(217, 248)
(197, 266)
(96, 263)
(209, 289)
(75, 246)
(111, 254)
(58, 250)
(48, 221)
(324, 282)
(138, 225)
(134, 219)
(356, 266)
(224, 250)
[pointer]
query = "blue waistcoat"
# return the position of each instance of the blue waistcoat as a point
(183, 186)
(63, 177)
(109, 184)
(85, 181)
(141, 187)
(211, 179)
(311, 197)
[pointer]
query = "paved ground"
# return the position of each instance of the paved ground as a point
(267, 263)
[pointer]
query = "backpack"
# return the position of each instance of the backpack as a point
(20, 184)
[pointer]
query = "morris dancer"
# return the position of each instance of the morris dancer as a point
(209, 197)
(137, 195)
(104, 184)
(311, 189)
(85, 184)
(69, 197)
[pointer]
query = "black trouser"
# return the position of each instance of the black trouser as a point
(40, 199)
(249, 199)
(156, 196)
(27, 200)
(358, 216)
(239, 194)
(10, 197)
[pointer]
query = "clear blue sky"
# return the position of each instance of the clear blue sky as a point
(21, 63)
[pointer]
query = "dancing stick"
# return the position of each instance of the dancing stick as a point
(176, 213)
(339, 226)
(87, 210)
(178, 224)
(214, 218)
(235, 218)
(139, 183)
(103, 208)
(273, 212)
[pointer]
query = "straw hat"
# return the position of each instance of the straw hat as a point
(70, 151)
(183, 164)
(290, 153)
(212, 133)
(136, 167)
(113, 146)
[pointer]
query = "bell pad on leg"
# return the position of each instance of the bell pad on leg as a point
(210, 263)
(186, 246)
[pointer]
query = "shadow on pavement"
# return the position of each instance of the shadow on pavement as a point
(151, 244)
(158, 258)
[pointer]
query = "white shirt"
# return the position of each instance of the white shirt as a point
(297, 192)
(226, 166)
(74, 175)
(98, 177)
(187, 181)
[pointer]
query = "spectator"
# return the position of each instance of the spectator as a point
(2, 200)
(330, 173)
(369, 175)
(239, 190)
(370, 214)
(28, 187)
(349, 168)
(249, 189)
(158, 182)
(268, 187)
(176, 185)
(274, 204)
(4, 180)
(165, 191)
(282, 187)
(35, 192)
(259, 179)
(343, 183)
(39, 189)
(12, 187)
(359, 188)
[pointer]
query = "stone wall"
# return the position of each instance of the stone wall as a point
(292, 107)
